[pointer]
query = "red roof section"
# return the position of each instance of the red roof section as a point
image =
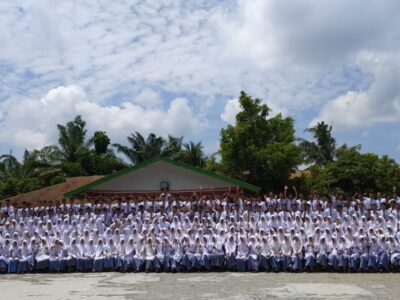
(55, 192)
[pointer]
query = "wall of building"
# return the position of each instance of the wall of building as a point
(149, 178)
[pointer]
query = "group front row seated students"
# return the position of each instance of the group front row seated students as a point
(211, 253)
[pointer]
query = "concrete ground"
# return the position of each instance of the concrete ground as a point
(236, 286)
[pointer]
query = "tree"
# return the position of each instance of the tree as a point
(21, 177)
(352, 171)
(14, 186)
(71, 139)
(259, 149)
(193, 154)
(357, 172)
(322, 151)
(141, 149)
(74, 154)
(172, 147)
(30, 166)
(387, 175)
(101, 142)
(212, 164)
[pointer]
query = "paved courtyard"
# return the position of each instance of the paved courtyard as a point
(236, 286)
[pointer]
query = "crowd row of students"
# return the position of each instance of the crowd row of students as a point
(172, 233)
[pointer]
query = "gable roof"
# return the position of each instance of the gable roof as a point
(234, 182)
(54, 192)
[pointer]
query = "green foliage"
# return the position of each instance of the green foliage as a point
(141, 149)
(354, 172)
(322, 151)
(258, 149)
(316, 180)
(57, 180)
(193, 154)
(387, 174)
(101, 142)
(213, 165)
(73, 156)
(71, 139)
(72, 169)
(14, 186)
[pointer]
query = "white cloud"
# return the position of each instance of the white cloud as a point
(148, 98)
(25, 138)
(379, 104)
(232, 108)
(62, 104)
(309, 33)
(188, 47)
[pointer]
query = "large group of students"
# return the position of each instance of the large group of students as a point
(203, 232)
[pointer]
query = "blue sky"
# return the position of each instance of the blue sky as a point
(177, 67)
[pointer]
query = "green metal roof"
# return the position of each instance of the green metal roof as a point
(235, 182)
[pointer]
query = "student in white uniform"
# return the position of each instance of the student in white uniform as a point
(241, 256)
(276, 254)
(297, 254)
(310, 248)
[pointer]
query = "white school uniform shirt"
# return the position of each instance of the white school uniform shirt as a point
(265, 249)
(178, 252)
(367, 203)
(254, 250)
(300, 204)
(374, 248)
(323, 248)
(314, 203)
(286, 247)
(55, 252)
(25, 252)
(284, 215)
(139, 250)
(150, 254)
(330, 212)
(275, 247)
(242, 250)
(296, 213)
(90, 251)
(75, 251)
(349, 210)
(297, 246)
(5, 251)
(333, 248)
(271, 202)
(310, 248)
(268, 215)
(263, 205)
(230, 247)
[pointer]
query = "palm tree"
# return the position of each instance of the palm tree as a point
(172, 147)
(141, 149)
(71, 139)
(48, 159)
(322, 151)
(193, 154)
(30, 166)
(9, 166)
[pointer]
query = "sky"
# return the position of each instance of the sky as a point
(177, 67)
